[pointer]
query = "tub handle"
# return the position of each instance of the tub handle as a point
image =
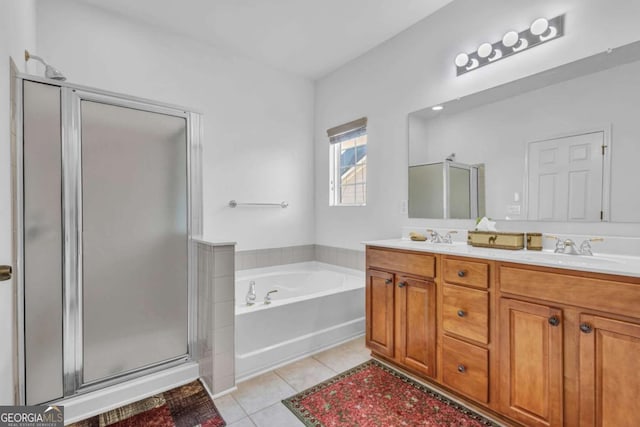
(267, 298)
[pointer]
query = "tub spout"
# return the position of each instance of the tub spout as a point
(250, 299)
(267, 298)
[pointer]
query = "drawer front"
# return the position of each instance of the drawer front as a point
(465, 312)
(613, 296)
(406, 262)
(466, 368)
(469, 273)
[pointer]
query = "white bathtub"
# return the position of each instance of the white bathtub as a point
(317, 306)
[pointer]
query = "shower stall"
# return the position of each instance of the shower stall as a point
(107, 200)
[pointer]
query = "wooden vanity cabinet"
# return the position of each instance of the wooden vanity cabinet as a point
(539, 346)
(401, 286)
(530, 353)
(574, 335)
(466, 327)
(609, 383)
(380, 306)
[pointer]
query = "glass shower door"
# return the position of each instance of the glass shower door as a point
(133, 250)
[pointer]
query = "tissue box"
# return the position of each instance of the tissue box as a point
(534, 241)
(496, 239)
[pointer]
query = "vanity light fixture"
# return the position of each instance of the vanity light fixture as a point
(541, 30)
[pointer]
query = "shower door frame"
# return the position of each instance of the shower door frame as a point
(71, 97)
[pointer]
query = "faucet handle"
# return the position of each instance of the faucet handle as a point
(447, 238)
(267, 297)
(585, 246)
(560, 244)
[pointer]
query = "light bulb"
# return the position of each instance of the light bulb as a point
(485, 50)
(462, 59)
(437, 107)
(510, 39)
(539, 26)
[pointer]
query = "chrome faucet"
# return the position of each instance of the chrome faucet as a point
(250, 299)
(267, 297)
(435, 237)
(448, 238)
(568, 246)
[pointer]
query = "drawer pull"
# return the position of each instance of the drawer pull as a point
(401, 284)
(462, 369)
(554, 321)
(388, 281)
(586, 328)
(462, 273)
(462, 313)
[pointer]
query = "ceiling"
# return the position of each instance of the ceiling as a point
(309, 38)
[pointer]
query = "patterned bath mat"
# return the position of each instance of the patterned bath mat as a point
(371, 394)
(185, 406)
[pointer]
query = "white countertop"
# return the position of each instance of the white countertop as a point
(598, 263)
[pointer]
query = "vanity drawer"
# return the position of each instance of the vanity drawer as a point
(469, 273)
(405, 262)
(587, 290)
(466, 368)
(465, 312)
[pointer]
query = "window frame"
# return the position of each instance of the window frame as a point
(335, 166)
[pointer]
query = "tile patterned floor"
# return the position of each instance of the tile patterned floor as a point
(256, 403)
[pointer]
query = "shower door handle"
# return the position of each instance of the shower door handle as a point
(5, 272)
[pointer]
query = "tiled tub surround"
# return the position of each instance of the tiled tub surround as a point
(259, 258)
(317, 306)
(216, 345)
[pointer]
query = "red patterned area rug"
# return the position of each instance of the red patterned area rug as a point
(185, 406)
(371, 394)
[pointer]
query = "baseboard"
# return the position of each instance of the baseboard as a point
(96, 402)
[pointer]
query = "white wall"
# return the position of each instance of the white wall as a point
(17, 33)
(258, 122)
(415, 70)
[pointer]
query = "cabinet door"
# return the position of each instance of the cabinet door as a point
(380, 312)
(531, 363)
(609, 366)
(417, 317)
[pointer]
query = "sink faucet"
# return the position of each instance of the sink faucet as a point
(250, 299)
(267, 298)
(448, 238)
(435, 237)
(568, 246)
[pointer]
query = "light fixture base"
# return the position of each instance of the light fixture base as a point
(526, 39)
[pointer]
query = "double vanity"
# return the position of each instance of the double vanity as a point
(539, 338)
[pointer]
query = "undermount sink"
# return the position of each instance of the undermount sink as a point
(565, 259)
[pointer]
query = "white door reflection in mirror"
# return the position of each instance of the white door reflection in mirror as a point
(565, 178)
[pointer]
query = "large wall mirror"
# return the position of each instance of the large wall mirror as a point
(562, 145)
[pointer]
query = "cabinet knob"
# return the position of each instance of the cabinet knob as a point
(462, 273)
(401, 284)
(462, 313)
(462, 369)
(586, 328)
(388, 281)
(554, 321)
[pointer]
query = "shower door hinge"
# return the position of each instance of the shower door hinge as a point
(601, 215)
(604, 147)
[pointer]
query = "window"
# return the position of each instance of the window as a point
(348, 164)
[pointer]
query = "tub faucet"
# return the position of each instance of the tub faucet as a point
(267, 297)
(250, 299)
